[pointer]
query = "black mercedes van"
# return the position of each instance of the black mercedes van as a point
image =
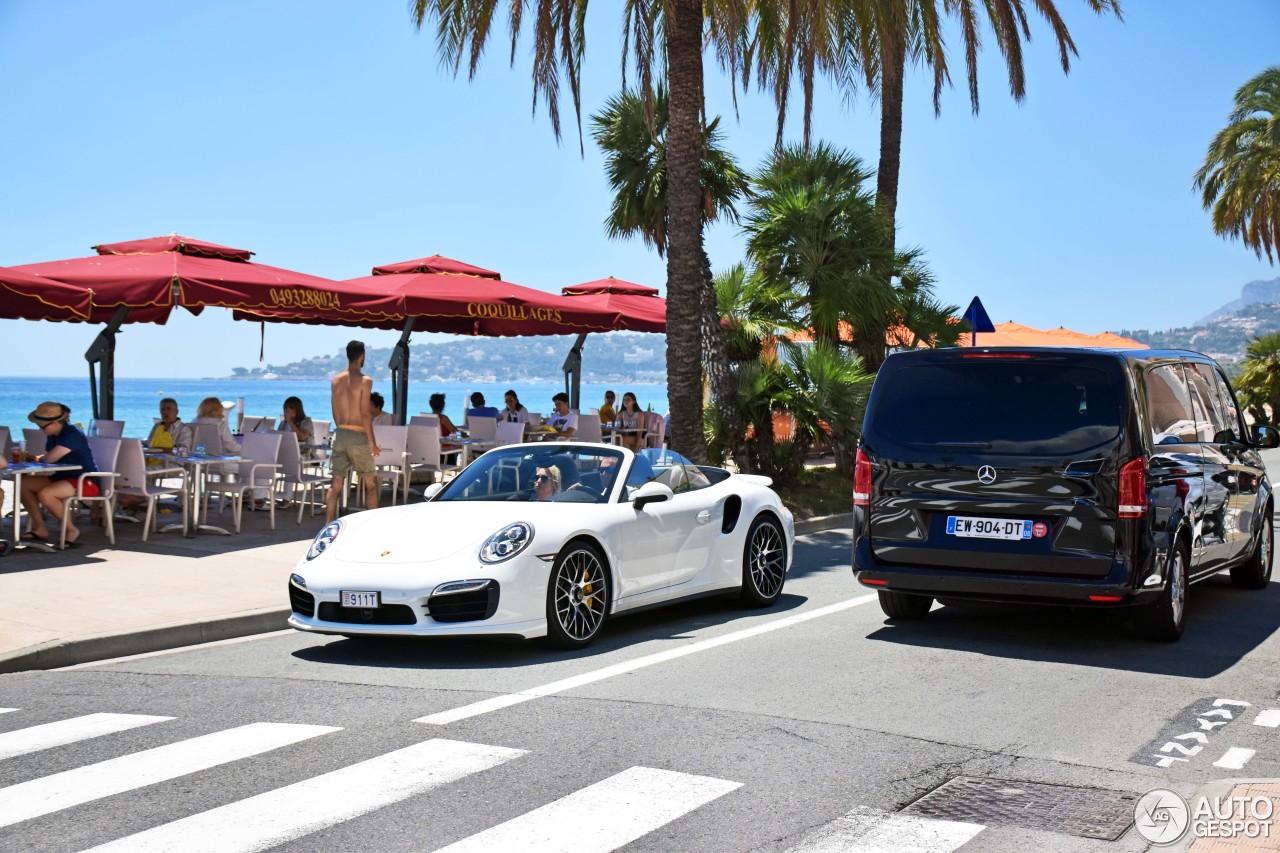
(1086, 477)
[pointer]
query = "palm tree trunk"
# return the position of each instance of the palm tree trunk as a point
(870, 343)
(685, 281)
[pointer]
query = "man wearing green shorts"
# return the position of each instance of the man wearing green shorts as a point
(353, 443)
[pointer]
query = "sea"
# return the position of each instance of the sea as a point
(137, 401)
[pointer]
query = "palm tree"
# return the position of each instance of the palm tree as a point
(1240, 178)
(868, 42)
(1259, 381)
(813, 227)
(631, 131)
(653, 31)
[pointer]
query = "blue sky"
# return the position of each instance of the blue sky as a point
(326, 138)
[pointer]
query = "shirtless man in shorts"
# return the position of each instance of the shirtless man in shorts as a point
(353, 443)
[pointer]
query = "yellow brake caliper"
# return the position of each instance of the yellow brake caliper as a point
(586, 590)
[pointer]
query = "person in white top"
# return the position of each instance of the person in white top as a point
(513, 412)
(211, 411)
(565, 421)
(380, 418)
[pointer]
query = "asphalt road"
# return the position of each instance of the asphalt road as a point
(799, 728)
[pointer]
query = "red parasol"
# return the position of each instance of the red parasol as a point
(153, 276)
(437, 263)
(142, 281)
(24, 296)
(640, 309)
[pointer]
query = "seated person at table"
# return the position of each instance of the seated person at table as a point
(380, 418)
(512, 411)
(546, 483)
(169, 432)
(295, 420)
(437, 408)
(479, 409)
(631, 418)
(564, 421)
(211, 411)
(607, 411)
(66, 445)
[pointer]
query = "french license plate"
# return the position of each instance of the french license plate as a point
(353, 598)
(988, 528)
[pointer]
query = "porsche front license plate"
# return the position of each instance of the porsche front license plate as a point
(361, 599)
(988, 528)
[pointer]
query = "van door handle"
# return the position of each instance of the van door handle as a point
(704, 516)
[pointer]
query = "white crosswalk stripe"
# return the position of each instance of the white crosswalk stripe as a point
(293, 811)
(867, 830)
(36, 738)
(85, 784)
(1234, 758)
(1269, 718)
(601, 817)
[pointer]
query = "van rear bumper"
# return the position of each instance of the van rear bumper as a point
(1003, 586)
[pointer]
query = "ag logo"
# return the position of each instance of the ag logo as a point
(986, 474)
(1161, 816)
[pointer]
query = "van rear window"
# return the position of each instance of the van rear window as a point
(1022, 407)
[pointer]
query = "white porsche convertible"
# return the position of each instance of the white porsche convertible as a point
(546, 539)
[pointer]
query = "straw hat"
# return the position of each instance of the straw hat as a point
(48, 412)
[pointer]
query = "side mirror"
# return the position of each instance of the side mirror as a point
(651, 493)
(432, 490)
(1264, 435)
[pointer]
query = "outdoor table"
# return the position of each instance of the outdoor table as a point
(471, 447)
(15, 472)
(196, 463)
(613, 434)
(538, 432)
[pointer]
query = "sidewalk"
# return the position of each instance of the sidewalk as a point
(98, 602)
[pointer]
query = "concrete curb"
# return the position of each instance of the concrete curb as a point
(827, 522)
(58, 653)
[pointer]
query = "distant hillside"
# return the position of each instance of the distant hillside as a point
(1226, 337)
(1251, 294)
(615, 357)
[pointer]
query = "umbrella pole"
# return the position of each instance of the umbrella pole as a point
(399, 366)
(573, 371)
(103, 351)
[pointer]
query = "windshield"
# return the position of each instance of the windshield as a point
(534, 472)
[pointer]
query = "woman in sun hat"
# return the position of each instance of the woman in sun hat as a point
(66, 444)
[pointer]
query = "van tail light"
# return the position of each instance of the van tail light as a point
(1133, 489)
(862, 480)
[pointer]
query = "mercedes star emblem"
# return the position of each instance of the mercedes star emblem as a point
(986, 474)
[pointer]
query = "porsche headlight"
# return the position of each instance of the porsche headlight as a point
(324, 539)
(507, 542)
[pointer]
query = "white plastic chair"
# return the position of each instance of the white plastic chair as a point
(589, 428)
(508, 433)
(105, 428)
(257, 470)
(6, 442)
(534, 418)
(33, 440)
(425, 420)
(105, 453)
(134, 480)
(294, 476)
(426, 454)
(255, 424)
(484, 429)
(392, 464)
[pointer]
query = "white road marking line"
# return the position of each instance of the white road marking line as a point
(1269, 718)
(36, 738)
(293, 811)
(867, 830)
(7, 710)
(179, 650)
(600, 817)
(1234, 758)
(485, 706)
(85, 784)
